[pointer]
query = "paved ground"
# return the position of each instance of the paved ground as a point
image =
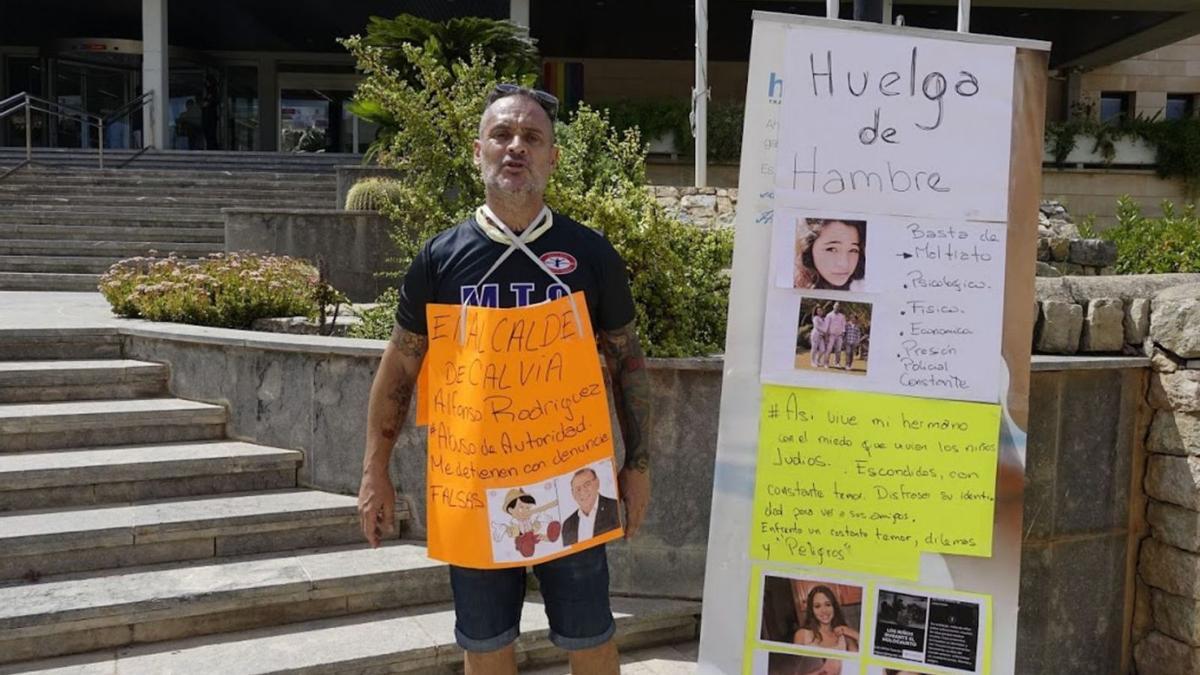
(673, 660)
(21, 309)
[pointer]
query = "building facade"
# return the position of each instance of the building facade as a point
(271, 75)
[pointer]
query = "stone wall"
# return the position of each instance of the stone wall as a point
(354, 244)
(704, 207)
(1167, 630)
(1063, 251)
(1098, 315)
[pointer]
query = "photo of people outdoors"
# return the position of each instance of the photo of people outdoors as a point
(812, 613)
(831, 254)
(797, 664)
(833, 335)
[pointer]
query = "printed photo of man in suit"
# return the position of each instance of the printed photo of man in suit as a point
(596, 515)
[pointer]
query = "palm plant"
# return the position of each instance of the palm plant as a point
(507, 45)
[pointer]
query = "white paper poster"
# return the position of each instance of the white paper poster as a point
(885, 303)
(879, 123)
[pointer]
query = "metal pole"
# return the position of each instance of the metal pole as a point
(700, 94)
(148, 140)
(355, 134)
(28, 131)
(887, 13)
(100, 136)
(832, 7)
(964, 16)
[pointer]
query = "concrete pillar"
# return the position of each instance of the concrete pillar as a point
(268, 105)
(518, 12)
(155, 72)
(1074, 91)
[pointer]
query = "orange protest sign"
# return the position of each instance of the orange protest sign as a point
(521, 465)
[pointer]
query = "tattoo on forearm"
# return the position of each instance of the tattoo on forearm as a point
(410, 344)
(631, 393)
(413, 346)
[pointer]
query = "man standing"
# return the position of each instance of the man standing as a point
(515, 153)
(851, 339)
(835, 331)
(597, 514)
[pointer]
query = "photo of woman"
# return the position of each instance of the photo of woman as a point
(825, 625)
(812, 613)
(831, 254)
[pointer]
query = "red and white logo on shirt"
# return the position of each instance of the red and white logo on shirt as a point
(559, 262)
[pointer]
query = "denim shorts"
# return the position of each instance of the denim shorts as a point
(487, 603)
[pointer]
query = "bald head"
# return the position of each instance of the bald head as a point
(507, 101)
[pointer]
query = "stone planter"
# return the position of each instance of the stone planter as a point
(354, 244)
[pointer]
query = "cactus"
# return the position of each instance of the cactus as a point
(371, 194)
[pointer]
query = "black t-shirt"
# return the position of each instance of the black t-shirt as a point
(451, 264)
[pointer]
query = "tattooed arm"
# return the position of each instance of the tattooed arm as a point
(631, 394)
(391, 394)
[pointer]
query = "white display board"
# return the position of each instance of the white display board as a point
(938, 107)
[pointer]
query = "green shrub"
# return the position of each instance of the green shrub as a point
(376, 322)
(676, 271)
(371, 194)
(225, 290)
(1155, 245)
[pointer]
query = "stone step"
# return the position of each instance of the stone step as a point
(199, 200)
(86, 612)
(184, 160)
(93, 476)
(55, 281)
(35, 544)
(235, 182)
(32, 213)
(232, 183)
(125, 249)
(413, 640)
(111, 233)
(67, 343)
(92, 266)
(62, 380)
(42, 426)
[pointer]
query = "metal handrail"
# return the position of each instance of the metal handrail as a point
(30, 104)
(131, 106)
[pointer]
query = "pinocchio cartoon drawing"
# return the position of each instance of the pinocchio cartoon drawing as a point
(525, 529)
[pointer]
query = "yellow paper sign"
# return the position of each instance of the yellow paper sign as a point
(521, 463)
(866, 482)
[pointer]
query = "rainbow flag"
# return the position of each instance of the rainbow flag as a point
(564, 79)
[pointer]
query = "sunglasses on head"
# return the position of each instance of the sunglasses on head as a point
(547, 100)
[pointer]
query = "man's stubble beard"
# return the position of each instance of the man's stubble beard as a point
(534, 188)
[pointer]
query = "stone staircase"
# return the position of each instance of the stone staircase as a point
(136, 538)
(63, 222)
